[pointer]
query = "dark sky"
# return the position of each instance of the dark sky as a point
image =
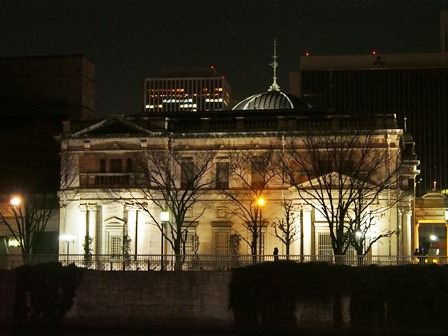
(129, 40)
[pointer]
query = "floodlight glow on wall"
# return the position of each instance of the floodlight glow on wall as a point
(13, 243)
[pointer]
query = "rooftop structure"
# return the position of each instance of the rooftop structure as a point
(187, 90)
(412, 86)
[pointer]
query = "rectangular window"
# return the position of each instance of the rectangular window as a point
(258, 173)
(221, 241)
(189, 242)
(324, 247)
(129, 165)
(187, 175)
(222, 175)
(115, 245)
(102, 166)
(115, 166)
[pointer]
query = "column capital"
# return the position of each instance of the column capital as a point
(84, 207)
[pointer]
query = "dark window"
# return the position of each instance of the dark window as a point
(222, 175)
(258, 174)
(129, 165)
(102, 166)
(115, 166)
(187, 175)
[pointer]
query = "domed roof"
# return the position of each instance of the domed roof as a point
(272, 100)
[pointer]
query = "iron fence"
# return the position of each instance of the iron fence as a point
(157, 262)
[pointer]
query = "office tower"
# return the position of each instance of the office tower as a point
(187, 90)
(444, 32)
(57, 86)
(412, 86)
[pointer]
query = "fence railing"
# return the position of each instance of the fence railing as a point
(156, 262)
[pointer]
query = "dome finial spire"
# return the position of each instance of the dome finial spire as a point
(274, 65)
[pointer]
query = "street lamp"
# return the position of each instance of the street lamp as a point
(67, 238)
(15, 201)
(260, 203)
(164, 218)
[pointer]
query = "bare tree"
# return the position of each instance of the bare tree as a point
(26, 216)
(171, 180)
(286, 228)
(32, 199)
(363, 219)
(251, 173)
(338, 173)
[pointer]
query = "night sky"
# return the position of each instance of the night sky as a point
(129, 40)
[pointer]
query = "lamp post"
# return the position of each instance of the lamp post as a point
(359, 242)
(164, 218)
(67, 238)
(260, 203)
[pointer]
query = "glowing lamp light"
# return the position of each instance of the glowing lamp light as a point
(67, 237)
(13, 243)
(164, 216)
(307, 53)
(433, 237)
(16, 200)
(260, 201)
(373, 52)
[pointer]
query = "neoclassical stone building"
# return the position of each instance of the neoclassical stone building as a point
(110, 202)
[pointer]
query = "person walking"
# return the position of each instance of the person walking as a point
(275, 254)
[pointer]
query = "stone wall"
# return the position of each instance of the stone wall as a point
(7, 287)
(159, 299)
(186, 300)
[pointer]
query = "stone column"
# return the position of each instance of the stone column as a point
(133, 230)
(88, 225)
(307, 230)
(407, 231)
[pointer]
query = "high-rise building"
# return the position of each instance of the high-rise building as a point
(57, 86)
(187, 90)
(412, 86)
(444, 32)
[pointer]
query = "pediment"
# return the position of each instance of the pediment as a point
(114, 126)
(114, 221)
(335, 178)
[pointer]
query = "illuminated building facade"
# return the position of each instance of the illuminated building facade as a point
(412, 86)
(105, 153)
(187, 90)
(106, 204)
